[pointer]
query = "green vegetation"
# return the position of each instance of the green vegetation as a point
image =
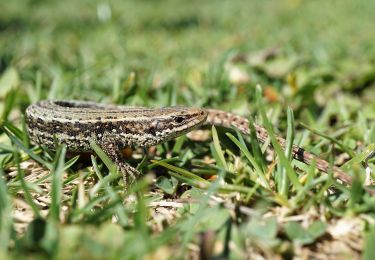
(224, 195)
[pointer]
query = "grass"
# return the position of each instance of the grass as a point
(209, 194)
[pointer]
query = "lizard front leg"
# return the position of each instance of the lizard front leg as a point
(113, 150)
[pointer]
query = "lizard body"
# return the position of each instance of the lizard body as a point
(113, 127)
(75, 123)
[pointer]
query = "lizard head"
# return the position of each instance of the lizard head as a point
(168, 123)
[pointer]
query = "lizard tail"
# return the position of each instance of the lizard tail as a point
(230, 120)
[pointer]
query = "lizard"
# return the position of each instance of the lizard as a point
(114, 127)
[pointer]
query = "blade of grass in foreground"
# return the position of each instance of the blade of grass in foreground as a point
(92, 214)
(184, 173)
(6, 221)
(255, 145)
(29, 152)
(25, 136)
(8, 127)
(103, 181)
(106, 160)
(369, 249)
(275, 144)
(8, 105)
(123, 219)
(218, 151)
(57, 181)
(25, 188)
(251, 159)
(284, 181)
(192, 222)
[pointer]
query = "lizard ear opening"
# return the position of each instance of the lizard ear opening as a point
(153, 128)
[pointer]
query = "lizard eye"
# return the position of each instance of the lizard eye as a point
(178, 119)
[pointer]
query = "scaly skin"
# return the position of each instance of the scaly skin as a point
(75, 123)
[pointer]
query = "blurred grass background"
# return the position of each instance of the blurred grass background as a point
(317, 57)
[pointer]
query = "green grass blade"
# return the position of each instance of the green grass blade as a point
(6, 220)
(8, 127)
(6, 148)
(25, 136)
(119, 209)
(285, 162)
(104, 157)
(332, 139)
(71, 162)
(8, 105)
(359, 158)
(29, 152)
(284, 183)
(255, 145)
(219, 152)
(201, 183)
(92, 216)
(252, 160)
(178, 144)
(25, 188)
(369, 248)
(57, 181)
(184, 173)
